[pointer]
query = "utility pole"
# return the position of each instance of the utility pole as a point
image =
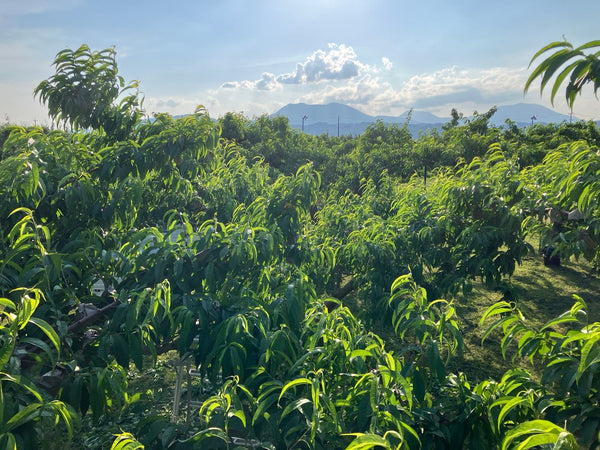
(338, 126)
(303, 119)
(532, 119)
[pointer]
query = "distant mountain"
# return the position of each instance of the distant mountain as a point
(523, 112)
(323, 119)
(328, 113)
(415, 117)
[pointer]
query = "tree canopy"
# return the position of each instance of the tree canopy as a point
(83, 92)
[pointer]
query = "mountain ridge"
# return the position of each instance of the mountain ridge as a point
(323, 118)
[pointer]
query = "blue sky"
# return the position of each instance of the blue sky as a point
(379, 56)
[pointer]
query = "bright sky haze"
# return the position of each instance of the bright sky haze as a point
(379, 56)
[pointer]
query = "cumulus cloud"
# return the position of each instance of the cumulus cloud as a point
(339, 62)
(358, 91)
(436, 91)
(387, 64)
(268, 82)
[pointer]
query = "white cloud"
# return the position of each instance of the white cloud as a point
(387, 64)
(435, 91)
(360, 91)
(445, 88)
(239, 85)
(338, 63)
(452, 81)
(268, 82)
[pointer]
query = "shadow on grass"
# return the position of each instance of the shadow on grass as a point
(548, 291)
(542, 293)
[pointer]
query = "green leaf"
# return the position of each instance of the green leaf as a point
(497, 308)
(48, 331)
(367, 441)
(7, 348)
(418, 385)
(296, 404)
(510, 333)
(537, 440)
(39, 344)
(208, 433)
(10, 443)
(23, 383)
(565, 317)
(120, 350)
(508, 407)
(60, 409)
(264, 404)
(239, 414)
(27, 307)
(27, 414)
(136, 349)
(126, 441)
(549, 432)
(8, 303)
(590, 354)
(293, 383)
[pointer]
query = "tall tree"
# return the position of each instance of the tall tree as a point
(85, 89)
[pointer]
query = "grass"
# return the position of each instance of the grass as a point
(542, 293)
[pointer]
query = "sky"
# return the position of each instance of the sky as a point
(381, 57)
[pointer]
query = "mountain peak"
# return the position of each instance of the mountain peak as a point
(524, 112)
(328, 113)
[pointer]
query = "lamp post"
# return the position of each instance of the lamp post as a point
(303, 119)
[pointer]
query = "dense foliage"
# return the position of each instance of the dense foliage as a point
(239, 244)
